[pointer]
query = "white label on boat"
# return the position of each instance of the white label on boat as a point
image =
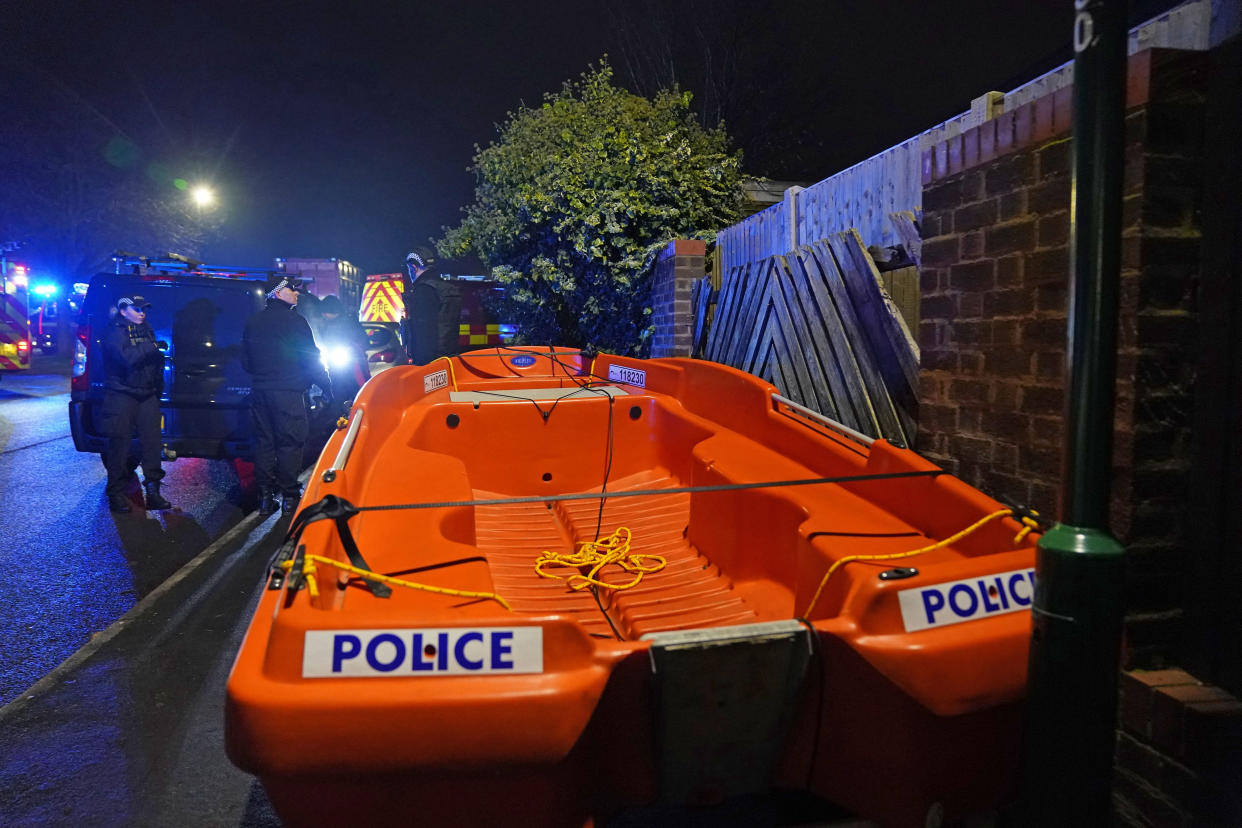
(455, 651)
(939, 605)
(433, 381)
(629, 376)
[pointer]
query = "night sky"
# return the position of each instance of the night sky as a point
(337, 129)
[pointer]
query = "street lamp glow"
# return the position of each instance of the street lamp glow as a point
(203, 196)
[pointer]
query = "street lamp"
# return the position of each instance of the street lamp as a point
(202, 196)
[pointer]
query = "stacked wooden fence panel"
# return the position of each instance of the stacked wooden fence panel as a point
(888, 330)
(818, 324)
(867, 390)
(702, 301)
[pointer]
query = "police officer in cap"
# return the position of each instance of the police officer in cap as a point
(279, 353)
(133, 379)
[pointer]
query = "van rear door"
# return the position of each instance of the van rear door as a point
(208, 395)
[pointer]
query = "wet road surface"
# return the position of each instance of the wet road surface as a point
(74, 567)
(129, 730)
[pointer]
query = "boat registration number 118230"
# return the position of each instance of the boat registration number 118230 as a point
(629, 376)
(454, 651)
(938, 605)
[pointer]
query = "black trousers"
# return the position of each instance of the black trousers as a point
(278, 428)
(121, 415)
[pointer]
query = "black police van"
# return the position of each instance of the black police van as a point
(198, 314)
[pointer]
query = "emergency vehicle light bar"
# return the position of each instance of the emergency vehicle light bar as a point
(174, 263)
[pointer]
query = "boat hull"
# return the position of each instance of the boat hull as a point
(779, 644)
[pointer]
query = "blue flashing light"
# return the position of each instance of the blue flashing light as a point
(44, 290)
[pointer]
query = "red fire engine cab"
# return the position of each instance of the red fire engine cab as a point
(14, 317)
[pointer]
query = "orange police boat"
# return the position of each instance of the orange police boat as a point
(526, 586)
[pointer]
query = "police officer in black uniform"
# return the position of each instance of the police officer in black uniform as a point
(279, 353)
(345, 343)
(133, 380)
(422, 306)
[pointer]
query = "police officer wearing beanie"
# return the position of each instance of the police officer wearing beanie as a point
(279, 353)
(133, 379)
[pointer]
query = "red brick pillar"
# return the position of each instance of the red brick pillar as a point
(676, 269)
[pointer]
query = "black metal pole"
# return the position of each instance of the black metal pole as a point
(1077, 609)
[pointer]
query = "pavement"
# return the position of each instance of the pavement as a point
(72, 566)
(129, 731)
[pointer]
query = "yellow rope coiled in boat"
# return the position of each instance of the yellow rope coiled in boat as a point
(612, 550)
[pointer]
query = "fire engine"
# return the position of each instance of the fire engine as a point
(382, 301)
(14, 317)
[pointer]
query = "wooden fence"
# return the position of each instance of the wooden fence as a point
(817, 324)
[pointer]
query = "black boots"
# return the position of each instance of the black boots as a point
(154, 499)
(268, 504)
(120, 503)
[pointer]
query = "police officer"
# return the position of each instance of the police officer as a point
(133, 380)
(422, 306)
(345, 347)
(279, 353)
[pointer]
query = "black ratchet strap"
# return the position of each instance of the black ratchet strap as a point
(338, 510)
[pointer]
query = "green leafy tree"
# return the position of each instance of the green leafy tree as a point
(577, 196)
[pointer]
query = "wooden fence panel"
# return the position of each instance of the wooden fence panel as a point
(888, 338)
(801, 311)
(886, 329)
(702, 299)
(813, 324)
(831, 346)
(728, 311)
(871, 394)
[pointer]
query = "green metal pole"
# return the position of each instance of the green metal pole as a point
(1077, 609)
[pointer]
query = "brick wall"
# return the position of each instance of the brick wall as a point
(994, 279)
(1179, 751)
(673, 276)
(994, 283)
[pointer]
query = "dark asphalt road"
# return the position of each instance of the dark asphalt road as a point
(129, 730)
(73, 566)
